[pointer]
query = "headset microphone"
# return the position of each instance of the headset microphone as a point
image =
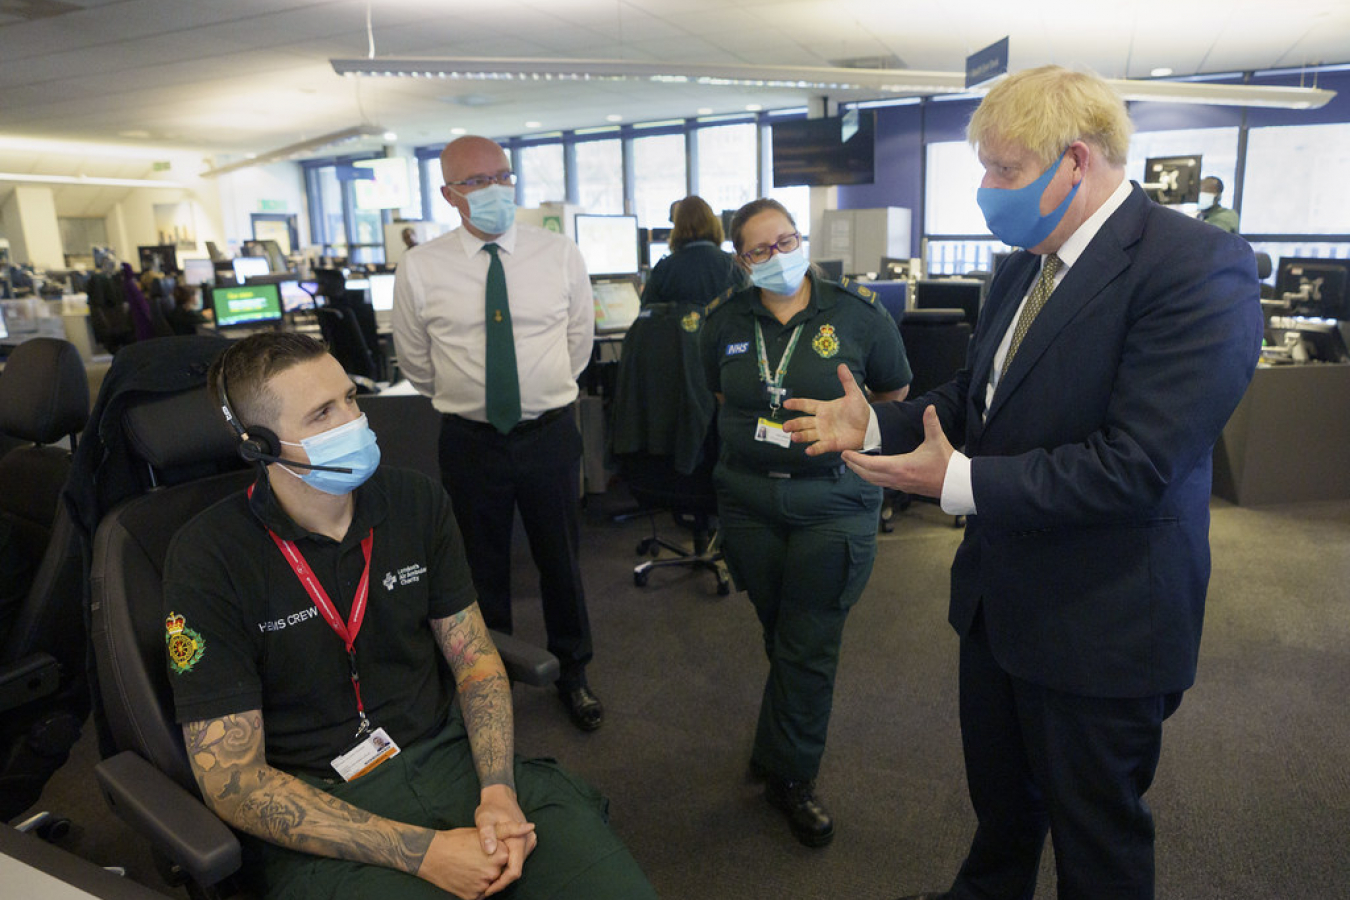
(253, 454)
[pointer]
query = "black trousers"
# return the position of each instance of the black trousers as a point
(536, 468)
(1038, 760)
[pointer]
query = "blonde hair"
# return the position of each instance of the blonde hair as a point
(1048, 108)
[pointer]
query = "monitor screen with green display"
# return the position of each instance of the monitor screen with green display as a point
(246, 304)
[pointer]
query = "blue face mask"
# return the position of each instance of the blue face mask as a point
(781, 273)
(350, 446)
(1014, 214)
(492, 210)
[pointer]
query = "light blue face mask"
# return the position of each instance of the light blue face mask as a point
(350, 446)
(492, 210)
(1014, 214)
(781, 273)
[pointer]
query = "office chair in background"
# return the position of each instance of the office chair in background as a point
(44, 700)
(662, 435)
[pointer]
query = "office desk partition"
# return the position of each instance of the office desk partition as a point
(31, 867)
(1289, 439)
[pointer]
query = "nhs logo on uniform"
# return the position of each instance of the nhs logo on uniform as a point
(738, 349)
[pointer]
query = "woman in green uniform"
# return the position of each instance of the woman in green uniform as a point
(798, 532)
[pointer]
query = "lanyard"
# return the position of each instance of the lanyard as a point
(773, 384)
(346, 630)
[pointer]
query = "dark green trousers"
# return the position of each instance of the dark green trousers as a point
(803, 548)
(434, 784)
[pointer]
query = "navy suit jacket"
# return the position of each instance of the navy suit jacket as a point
(1092, 466)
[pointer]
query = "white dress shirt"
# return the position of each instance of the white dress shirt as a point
(958, 491)
(438, 318)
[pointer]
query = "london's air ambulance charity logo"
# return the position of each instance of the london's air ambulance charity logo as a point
(185, 645)
(825, 344)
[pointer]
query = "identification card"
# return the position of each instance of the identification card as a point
(372, 750)
(772, 432)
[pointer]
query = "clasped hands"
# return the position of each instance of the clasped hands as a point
(478, 862)
(840, 426)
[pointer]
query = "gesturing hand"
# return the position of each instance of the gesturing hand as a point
(831, 426)
(921, 471)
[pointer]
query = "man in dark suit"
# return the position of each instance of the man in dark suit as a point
(1110, 354)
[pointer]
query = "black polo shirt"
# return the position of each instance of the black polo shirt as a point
(842, 323)
(260, 643)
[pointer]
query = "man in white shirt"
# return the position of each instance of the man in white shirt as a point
(1108, 357)
(494, 322)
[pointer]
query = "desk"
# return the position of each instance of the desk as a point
(1289, 439)
(31, 867)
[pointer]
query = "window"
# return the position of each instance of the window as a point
(1295, 180)
(659, 167)
(335, 221)
(438, 209)
(953, 176)
(541, 175)
(600, 176)
(727, 165)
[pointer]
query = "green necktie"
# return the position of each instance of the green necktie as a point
(1045, 285)
(501, 381)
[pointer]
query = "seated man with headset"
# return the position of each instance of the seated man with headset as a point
(309, 625)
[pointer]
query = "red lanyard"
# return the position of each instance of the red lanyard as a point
(346, 630)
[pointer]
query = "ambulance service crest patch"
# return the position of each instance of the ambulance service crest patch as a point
(185, 645)
(825, 343)
(690, 322)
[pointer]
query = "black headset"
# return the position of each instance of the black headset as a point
(258, 444)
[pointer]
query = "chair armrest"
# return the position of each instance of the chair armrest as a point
(174, 821)
(526, 662)
(33, 676)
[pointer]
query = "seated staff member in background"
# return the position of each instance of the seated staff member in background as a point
(1109, 355)
(318, 628)
(697, 269)
(1211, 191)
(799, 533)
(187, 312)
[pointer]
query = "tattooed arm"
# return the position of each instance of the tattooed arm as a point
(485, 699)
(229, 763)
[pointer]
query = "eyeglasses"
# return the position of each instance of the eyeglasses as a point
(785, 244)
(506, 179)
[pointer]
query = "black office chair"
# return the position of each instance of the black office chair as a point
(1263, 269)
(146, 779)
(44, 397)
(663, 439)
(936, 342)
(342, 334)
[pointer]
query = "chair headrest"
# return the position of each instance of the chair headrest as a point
(44, 392)
(1263, 266)
(175, 430)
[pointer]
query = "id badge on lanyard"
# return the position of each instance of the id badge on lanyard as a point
(769, 428)
(373, 745)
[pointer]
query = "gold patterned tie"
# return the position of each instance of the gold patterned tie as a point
(1045, 285)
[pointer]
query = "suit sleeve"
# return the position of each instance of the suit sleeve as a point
(1189, 336)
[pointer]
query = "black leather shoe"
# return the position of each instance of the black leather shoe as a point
(586, 710)
(810, 822)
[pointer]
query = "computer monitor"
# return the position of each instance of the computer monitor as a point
(198, 271)
(1172, 180)
(296, 295)
(1302, 339)
(158, 258)
(616, 304)
(1314, 287)
(246, 304)
(609, 244)
(246, 267)
(833, 268)
(950, 293)
(269, 250)
(381, 287)
(895, 269)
